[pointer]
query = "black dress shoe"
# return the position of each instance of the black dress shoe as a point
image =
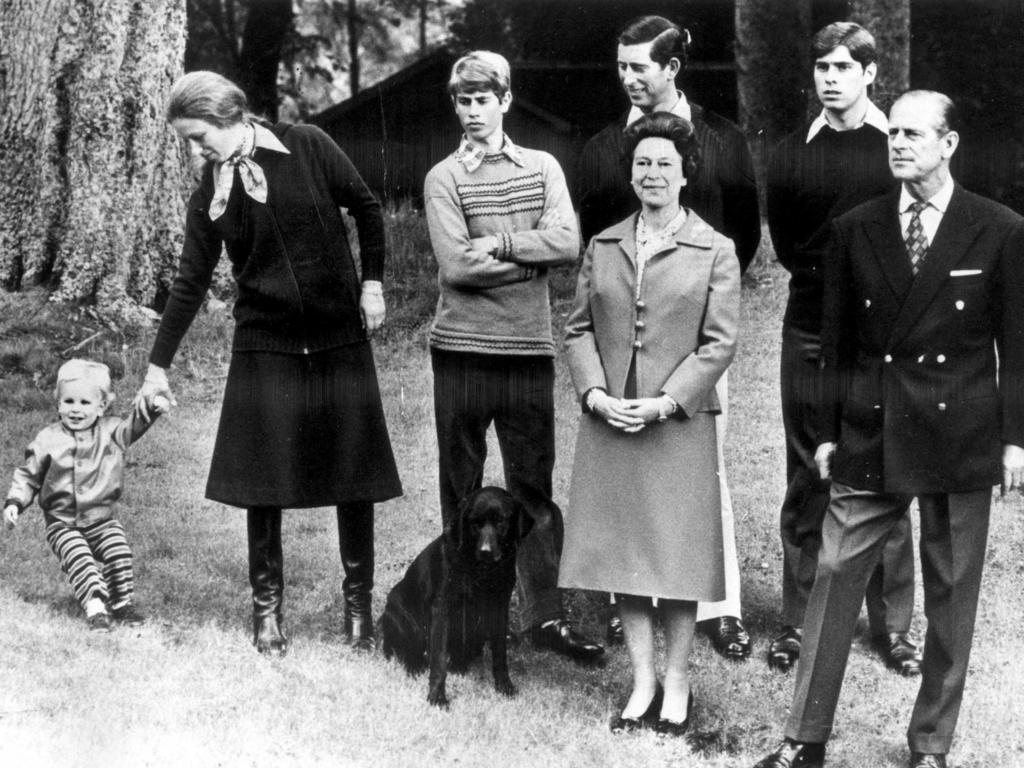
(795, 754)
(648, 719)
(785, 649)
(666, 727)
(560, 637)
(927, 760)
(900, 654)
(730, 638)
(268, 635)
(615, 634)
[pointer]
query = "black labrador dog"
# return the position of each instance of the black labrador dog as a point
(455, 594)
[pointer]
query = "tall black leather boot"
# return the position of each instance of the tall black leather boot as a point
(266, 575)
(355, 541)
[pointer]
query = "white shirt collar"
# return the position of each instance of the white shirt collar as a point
(939, 201)
(267, 140)
(680, 109)
(873, 116)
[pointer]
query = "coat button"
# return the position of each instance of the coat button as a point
(940, 358)
(867, 302)
(637, 344)
(888, 358)
(942, 406)
(640, 324)
(640, 305)
(959, 305)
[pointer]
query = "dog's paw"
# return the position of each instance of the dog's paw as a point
(505, 687)
(438, 698)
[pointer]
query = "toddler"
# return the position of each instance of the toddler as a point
(75, 469)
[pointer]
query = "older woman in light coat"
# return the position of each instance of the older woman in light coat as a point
(652, 329)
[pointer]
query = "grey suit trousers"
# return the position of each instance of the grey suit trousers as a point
(954, 531)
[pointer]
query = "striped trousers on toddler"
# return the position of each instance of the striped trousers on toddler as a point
(96, 559)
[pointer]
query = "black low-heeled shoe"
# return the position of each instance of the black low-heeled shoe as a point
(648, 719)
(674, 728)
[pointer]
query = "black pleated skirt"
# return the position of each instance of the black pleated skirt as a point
(302, 431)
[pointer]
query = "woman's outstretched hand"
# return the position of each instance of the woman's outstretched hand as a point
(154, 396)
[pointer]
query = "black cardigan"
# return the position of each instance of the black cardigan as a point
(723, 192)
(298, 290)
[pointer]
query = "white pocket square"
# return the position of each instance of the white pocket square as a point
(964, 272)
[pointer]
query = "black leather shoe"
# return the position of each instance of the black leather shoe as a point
(358, 630)
(926, 760)
(900, 654)
(785, 649)
(560, 637)
(730, 638)
(615, 634)
(795, 754)
(648, 719)
(674, 728)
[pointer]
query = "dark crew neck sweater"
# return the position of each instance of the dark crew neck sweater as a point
(809, 185)
(298, 291)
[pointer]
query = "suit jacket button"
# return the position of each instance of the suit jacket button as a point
(888, 358)
(942, 406)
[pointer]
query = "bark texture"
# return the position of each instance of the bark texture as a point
(92, 197)
(889, 22)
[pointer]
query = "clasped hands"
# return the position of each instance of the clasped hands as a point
(154, 396)
(630, 415)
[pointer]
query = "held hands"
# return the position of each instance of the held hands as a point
(371, 306)
(1013, 468)
(629, 415)
(154, 396)
(823, 458)
(11, 516)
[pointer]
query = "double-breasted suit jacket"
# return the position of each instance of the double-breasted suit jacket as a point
(910, 362)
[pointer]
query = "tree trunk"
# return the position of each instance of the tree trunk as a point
(772, 67)
(889, 22)
(353, 48)
(266, 26)
(92, 196)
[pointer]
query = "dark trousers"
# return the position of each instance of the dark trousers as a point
(515, 393)
(954, 530)
(890, 590)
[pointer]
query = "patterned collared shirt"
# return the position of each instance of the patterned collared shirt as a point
(471, 156)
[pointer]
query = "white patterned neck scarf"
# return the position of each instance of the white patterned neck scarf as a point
(253, 179)
(650, 242)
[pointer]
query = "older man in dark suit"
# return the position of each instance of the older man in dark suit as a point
(922, 291)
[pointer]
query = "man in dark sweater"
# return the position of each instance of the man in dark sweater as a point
(816, 174)
(651, 54)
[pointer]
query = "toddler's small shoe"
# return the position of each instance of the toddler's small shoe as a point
(128, 615)
(99, 622)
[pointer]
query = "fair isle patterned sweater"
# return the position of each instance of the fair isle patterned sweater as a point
(497, 304)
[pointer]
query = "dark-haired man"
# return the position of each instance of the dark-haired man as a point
(816, 174)
(923, 366)
(651, 54)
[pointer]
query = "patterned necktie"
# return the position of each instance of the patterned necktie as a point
(917, 242)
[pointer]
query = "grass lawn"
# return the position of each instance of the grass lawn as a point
(188, 689)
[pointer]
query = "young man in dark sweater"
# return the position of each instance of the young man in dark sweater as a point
(651, 54)
(816, 174)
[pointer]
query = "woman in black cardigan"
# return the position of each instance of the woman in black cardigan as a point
(302, 423)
